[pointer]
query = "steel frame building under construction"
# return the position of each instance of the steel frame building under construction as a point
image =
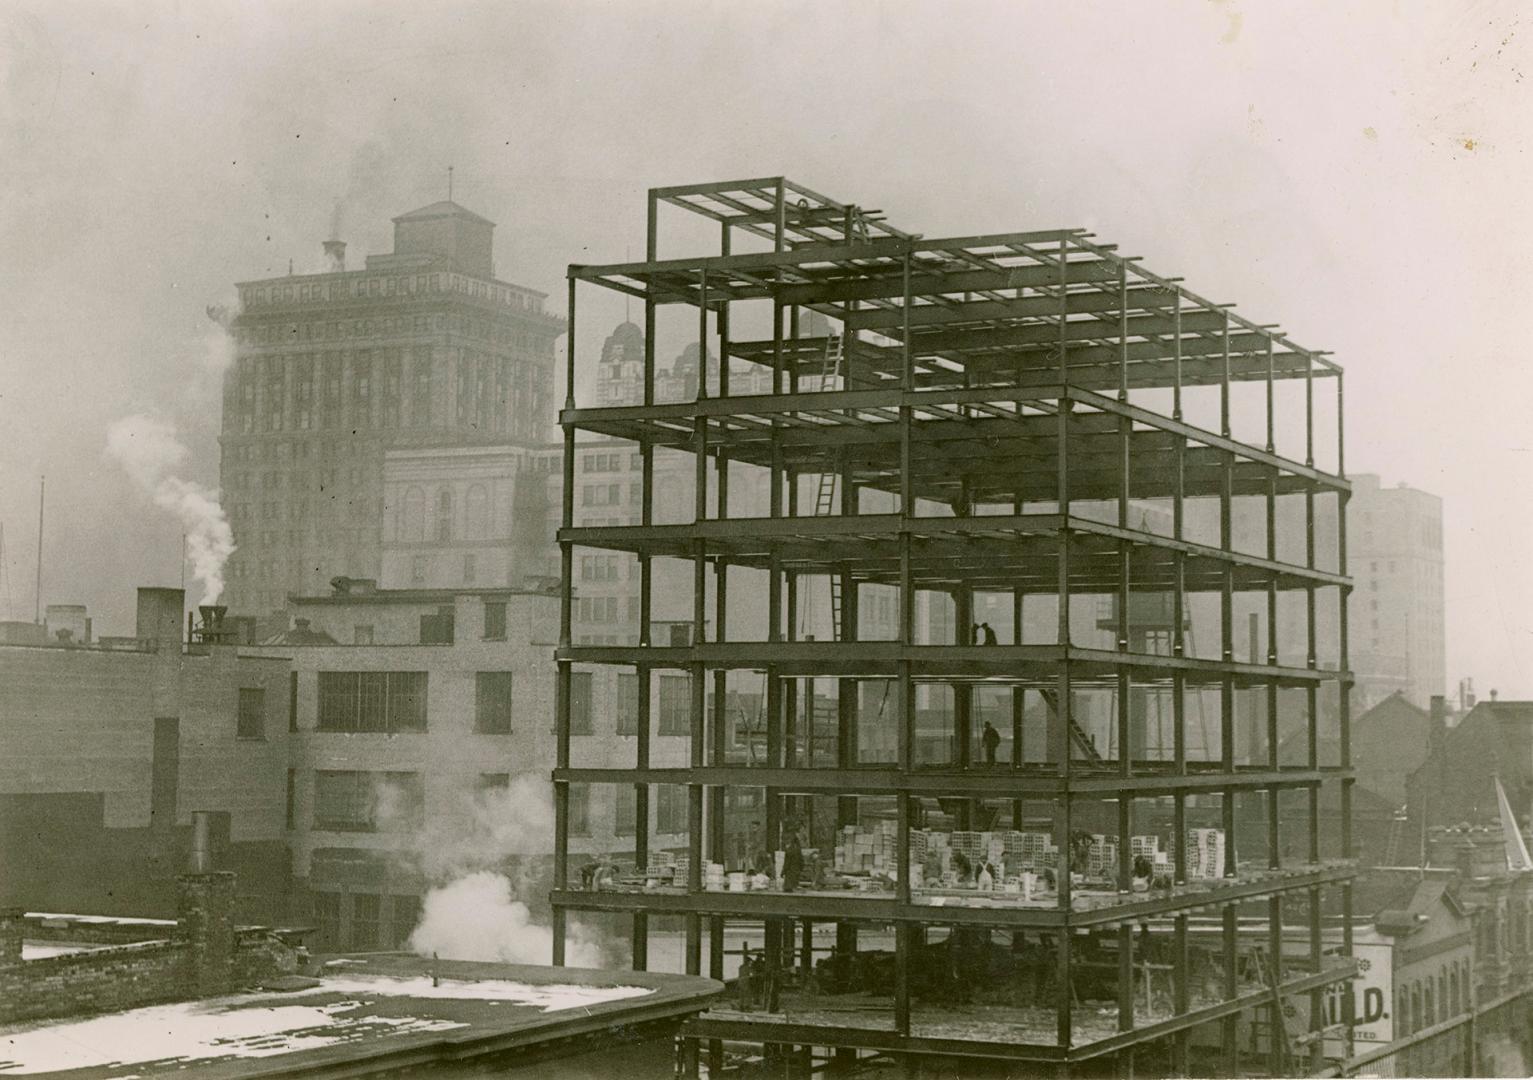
(1029, 424)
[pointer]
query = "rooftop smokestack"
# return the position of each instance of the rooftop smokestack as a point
(335, 255)
(212, 630)
(201, 858)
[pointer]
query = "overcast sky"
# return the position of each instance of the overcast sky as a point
(1359, 173)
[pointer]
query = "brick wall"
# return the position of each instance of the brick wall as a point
(120, 977)
(207, 956)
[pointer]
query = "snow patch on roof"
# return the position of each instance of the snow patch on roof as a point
(266, 1025)
(43, 950)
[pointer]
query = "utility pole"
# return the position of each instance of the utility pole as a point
(37, 600)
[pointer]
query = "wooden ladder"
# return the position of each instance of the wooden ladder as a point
(1078, 734)
(825, 496)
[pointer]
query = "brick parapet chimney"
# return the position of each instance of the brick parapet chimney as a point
(12, 931)
(205, 922)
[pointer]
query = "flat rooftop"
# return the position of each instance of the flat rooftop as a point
(363, 1014)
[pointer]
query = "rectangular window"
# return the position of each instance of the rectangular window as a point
(625, 812)
(404, 914)
(292, 701)
(292, 796)
(492, 702)
(468, 569)
(251, 721)
(494, 781)
(627, 704)
(437, 629)
(390, 701)
(672, 811)
(495, 620)
(365, 909)
(343, 801)
(580, 703)
(327, 920)
(399, 801)
(675, 705)
(362, 634)
(418, 569)
(580, 810)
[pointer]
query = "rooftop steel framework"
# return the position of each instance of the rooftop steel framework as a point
(988, 388)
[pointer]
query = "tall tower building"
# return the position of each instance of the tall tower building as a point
(421, 348)
(1396, 557)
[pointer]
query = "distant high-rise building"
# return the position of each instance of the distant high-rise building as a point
(1395, 556)
(423, 347)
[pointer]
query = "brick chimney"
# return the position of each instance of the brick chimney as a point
(205, 917)
(12, 931)
(205, 922)
(1439, 722)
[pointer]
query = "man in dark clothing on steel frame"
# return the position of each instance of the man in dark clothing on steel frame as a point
(991, 740)
(792, 858)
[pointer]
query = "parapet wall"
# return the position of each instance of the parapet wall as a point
(118, 977)
(201, 956)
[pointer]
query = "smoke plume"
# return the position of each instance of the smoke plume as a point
(149, 452)
(476, 917)
(483, 855)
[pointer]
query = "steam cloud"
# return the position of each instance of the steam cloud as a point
(149, 452)
(475, 913)
(477, 918)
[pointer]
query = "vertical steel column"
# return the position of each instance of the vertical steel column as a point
(1317, 995)
(1181, 964)
(904, 935)
(1345, 695)
(1229, 1028)
(1176, 356)
(1018, 701)
(1227, 611)
(1065, 1018)
(562, 686)
(1179, 826)
(1060, 743)
(1125, 976)
(1274, 833)
(1278, 1038)
(1271, 400)
(640, 932)
(1125, 551)
(907, 514)
(1125, 841)
(696, 670)
(902, 949)
(720, 718)
(773, 680)
(963, 698)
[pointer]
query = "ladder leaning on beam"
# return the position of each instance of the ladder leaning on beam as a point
(825, 496)
(1078, 734)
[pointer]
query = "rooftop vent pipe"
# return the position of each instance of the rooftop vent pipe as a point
(201, 860)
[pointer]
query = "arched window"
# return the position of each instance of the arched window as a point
(1428, 1012)
(412, 529)
(1403, 1012)
(1415, 1006)
(1453, 999)
(444, 514)
(475, 513)
(1442, 995)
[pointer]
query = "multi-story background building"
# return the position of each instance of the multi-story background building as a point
(423, 347)
(1396, 556)
(109, 746)
(420, 746)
